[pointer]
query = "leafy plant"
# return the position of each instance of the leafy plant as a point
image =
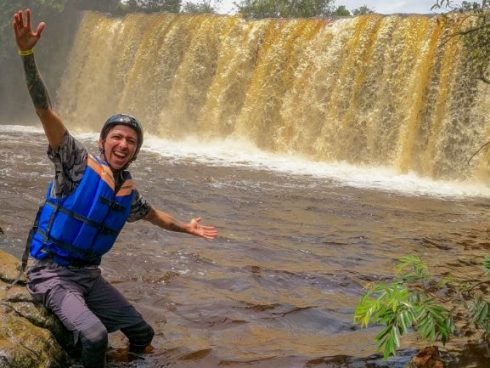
(172, 6)
(200, 6)
(258, 9)
(416, 300)
(341, 11)
(362, 10)
(475, 32)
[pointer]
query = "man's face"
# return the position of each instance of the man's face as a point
(119, 146)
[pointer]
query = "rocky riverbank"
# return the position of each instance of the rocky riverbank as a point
(29, 335)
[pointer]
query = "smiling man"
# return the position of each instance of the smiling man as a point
(120, 140)
(87, 204)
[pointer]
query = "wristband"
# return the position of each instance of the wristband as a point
(25, 52)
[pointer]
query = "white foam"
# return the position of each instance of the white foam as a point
(235, 153)
(21, 129)
(244, 154)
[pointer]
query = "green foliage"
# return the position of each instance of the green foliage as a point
(390, 306)
(202, 6)
(433, 322)
(171, 6)
(258, 9)
(486, 264)
(341, 11)
(362, 10)
(462, 6)
(412, 269)
(469, 5)
(416, 300)
(98, 5)
(480, 312)
(475, 31)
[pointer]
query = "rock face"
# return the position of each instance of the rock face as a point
(428, 357)
(29, 335)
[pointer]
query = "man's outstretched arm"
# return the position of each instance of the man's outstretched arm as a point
(194, 227)
(26, 39)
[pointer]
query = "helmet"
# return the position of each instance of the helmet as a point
(123, 119)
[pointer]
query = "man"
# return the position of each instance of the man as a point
(86, 206)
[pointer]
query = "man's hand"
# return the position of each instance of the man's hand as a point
(24, 36)
(207, 232)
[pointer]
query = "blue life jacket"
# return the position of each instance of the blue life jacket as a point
(78, 229)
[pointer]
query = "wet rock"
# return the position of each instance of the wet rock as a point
(30, 336)
(428, 357)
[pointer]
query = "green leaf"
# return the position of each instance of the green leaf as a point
(412, 269)
(388, 341)
(487, 264)
(480, 313)
(433, 321)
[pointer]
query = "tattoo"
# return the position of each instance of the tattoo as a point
(35, 85)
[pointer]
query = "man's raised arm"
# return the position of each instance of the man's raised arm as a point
(26, 40)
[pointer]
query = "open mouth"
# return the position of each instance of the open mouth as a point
(120, 155)
(120, 158)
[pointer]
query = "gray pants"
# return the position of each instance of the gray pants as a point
(88, 306)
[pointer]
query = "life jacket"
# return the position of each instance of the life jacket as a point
(78, 229)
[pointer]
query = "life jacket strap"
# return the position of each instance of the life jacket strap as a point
(89, 256)
(70, 262)
(101, 228)
(27, 249)
(113, 205)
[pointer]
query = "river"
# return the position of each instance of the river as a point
(278, 287)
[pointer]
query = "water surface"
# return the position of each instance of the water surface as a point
(279, 285)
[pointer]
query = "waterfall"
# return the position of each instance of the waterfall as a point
(373, 90)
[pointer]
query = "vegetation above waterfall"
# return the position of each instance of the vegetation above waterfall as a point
(475, 30)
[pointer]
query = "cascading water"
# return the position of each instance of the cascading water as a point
(375, 90)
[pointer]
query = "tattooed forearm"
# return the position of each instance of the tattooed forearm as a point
(35, 85)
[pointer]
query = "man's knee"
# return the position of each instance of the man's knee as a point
(139, 335)
(94, 337)
(94, 341)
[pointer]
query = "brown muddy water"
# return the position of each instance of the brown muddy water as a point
(279, 285)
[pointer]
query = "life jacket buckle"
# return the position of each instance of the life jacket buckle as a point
(113, 205)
